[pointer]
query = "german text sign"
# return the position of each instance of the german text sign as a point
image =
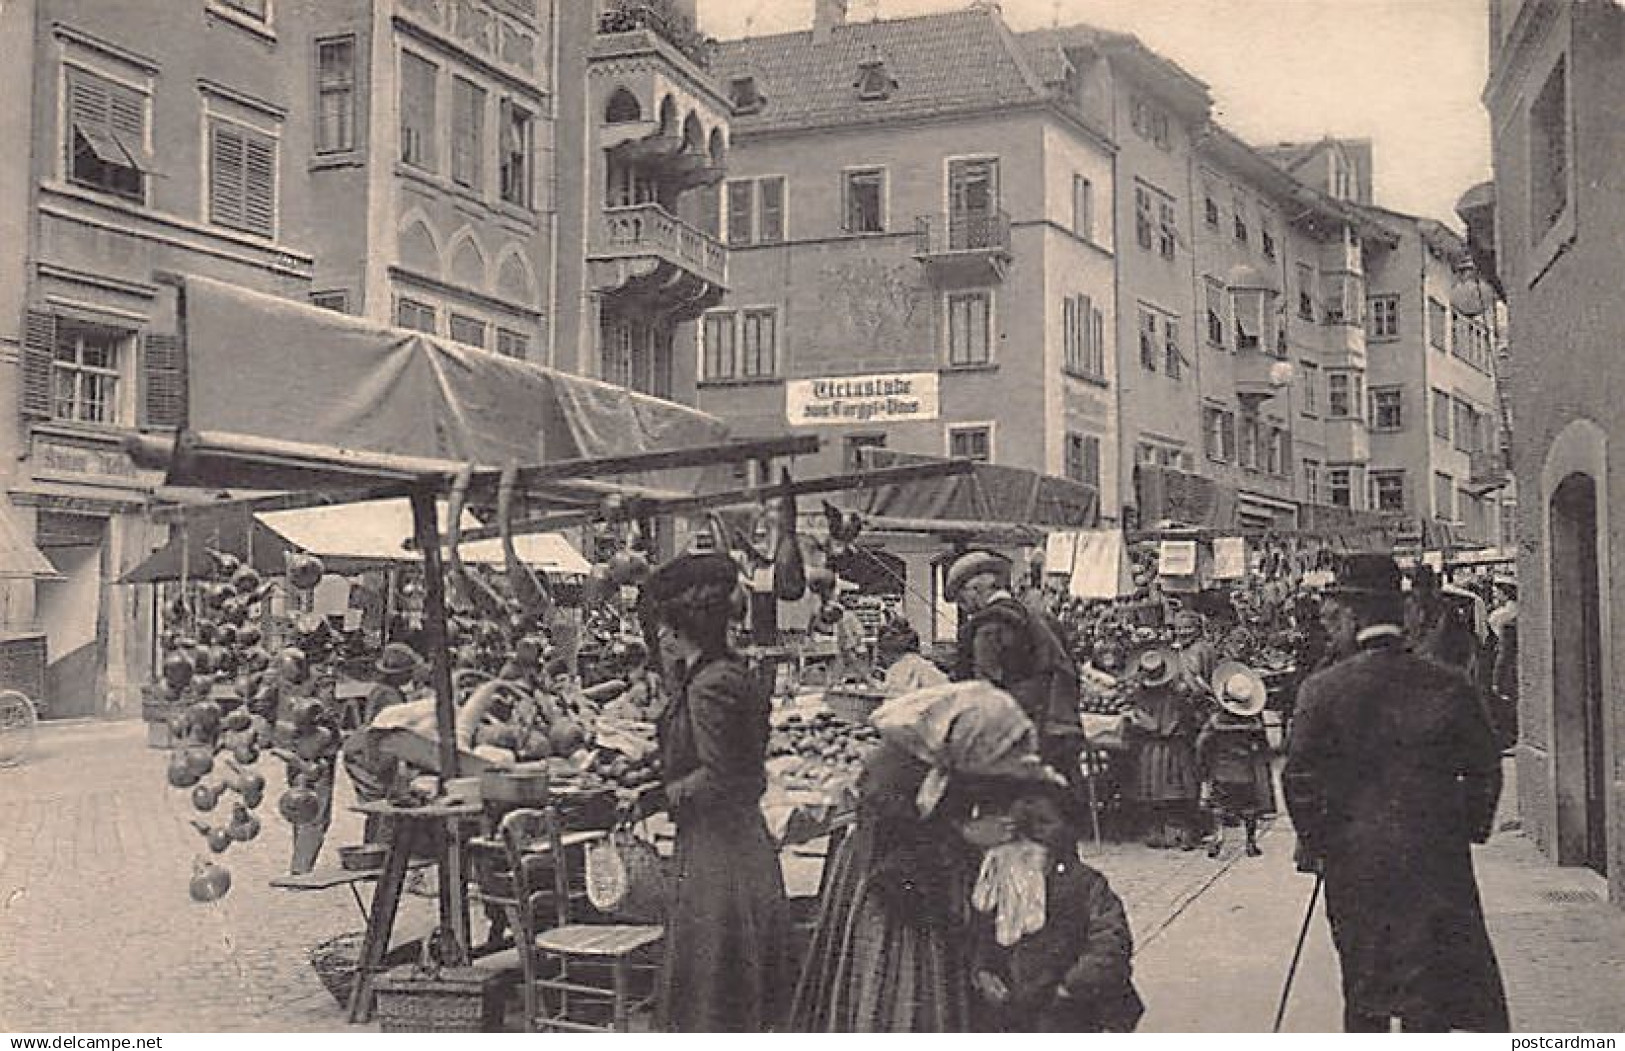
(882, 398)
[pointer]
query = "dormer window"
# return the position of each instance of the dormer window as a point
(744, 96)
(874, 83)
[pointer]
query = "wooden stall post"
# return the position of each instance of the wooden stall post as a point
(453, 887)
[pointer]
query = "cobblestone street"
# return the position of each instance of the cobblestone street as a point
(97, 932)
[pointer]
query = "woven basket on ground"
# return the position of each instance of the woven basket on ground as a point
(334, 961)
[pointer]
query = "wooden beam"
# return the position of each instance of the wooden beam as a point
(750, 495)
(225, 460)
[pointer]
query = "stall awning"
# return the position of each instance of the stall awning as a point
(989, 493)
(282, 370)
(19, 558)
(349, 538)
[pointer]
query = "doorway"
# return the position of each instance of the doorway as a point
(1577, 693)
(973, 203)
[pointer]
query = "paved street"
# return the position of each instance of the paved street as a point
(1561, 948)
(97, 932)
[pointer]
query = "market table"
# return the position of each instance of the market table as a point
(330, 876)
(414, 828)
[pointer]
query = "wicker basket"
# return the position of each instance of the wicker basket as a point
(334, 961)
(453, 1000)
(853, 704)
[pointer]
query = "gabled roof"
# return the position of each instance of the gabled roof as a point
(957, 61)
(1444, 241)
(1049, 49)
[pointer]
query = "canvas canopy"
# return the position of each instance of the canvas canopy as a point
(989, 493)
(348, 538)
(278, 369)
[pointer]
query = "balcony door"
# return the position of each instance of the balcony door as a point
(973, 202)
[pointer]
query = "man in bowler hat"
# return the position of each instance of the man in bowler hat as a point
(1391, 775)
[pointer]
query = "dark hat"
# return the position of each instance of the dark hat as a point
(1369, 573)
(694, 580)
(970, 565)
(397, 659)
(897, 637)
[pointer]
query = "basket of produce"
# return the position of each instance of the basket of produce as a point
(853, 703)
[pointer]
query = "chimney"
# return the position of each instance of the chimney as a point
(827, 14)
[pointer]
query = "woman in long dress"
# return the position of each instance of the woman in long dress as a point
(726, 966)
(892, 945)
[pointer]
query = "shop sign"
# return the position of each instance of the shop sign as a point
(62, 458)
(892, 397)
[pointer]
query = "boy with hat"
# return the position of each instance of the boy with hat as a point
(1392, 774)
(1234, 755)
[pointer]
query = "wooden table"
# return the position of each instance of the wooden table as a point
(329, 876)
(412, 828)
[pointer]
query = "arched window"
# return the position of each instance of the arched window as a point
(623, 108)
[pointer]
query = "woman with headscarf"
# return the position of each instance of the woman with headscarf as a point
(725, 968)
(891, 949)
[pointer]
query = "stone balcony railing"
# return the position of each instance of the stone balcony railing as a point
(648, 230)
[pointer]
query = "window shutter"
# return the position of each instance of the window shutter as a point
(259, 185)
(39, 352)
(226, 167)
(771, 230)
(163, 363)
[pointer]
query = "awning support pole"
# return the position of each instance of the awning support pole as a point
(453, 891)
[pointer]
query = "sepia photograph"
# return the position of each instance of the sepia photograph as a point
(811, 516)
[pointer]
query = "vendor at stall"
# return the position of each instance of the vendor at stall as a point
(726, 964)
(897, 652)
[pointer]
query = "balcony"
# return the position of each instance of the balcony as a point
(644, 251)
(1343, 345)
(964, 248)
(662, 18)
(1260, 376)
(1347, 440)
(1486, 472)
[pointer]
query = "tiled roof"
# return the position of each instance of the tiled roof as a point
(1046, 49)
(942, 63)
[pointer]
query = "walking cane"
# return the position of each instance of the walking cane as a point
(1297, 954)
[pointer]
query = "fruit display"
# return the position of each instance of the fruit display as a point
(226, 694)
(815, 750)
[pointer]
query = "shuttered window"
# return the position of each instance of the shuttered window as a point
(242, 179)
(106, 135)
(164, 370)
(418, 111)
(467, 133)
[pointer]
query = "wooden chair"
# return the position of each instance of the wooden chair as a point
(558, 961)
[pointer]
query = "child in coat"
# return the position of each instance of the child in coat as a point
(1233, 755)
(1073, 973)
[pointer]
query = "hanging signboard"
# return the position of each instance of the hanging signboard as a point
(891, 397)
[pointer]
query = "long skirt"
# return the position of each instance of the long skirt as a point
(727, 966)
(1165, 771)
(873, 969)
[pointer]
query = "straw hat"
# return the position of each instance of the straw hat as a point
(1155, 667)
(1239, 689)
(973, 564)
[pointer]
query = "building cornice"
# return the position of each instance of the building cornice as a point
(63, 31)
(513, 81)
(486, 299)
(1518, 49)
(87, 208)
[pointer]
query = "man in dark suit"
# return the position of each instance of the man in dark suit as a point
(1391, 775)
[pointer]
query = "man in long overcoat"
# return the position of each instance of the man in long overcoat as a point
(1391, 775)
